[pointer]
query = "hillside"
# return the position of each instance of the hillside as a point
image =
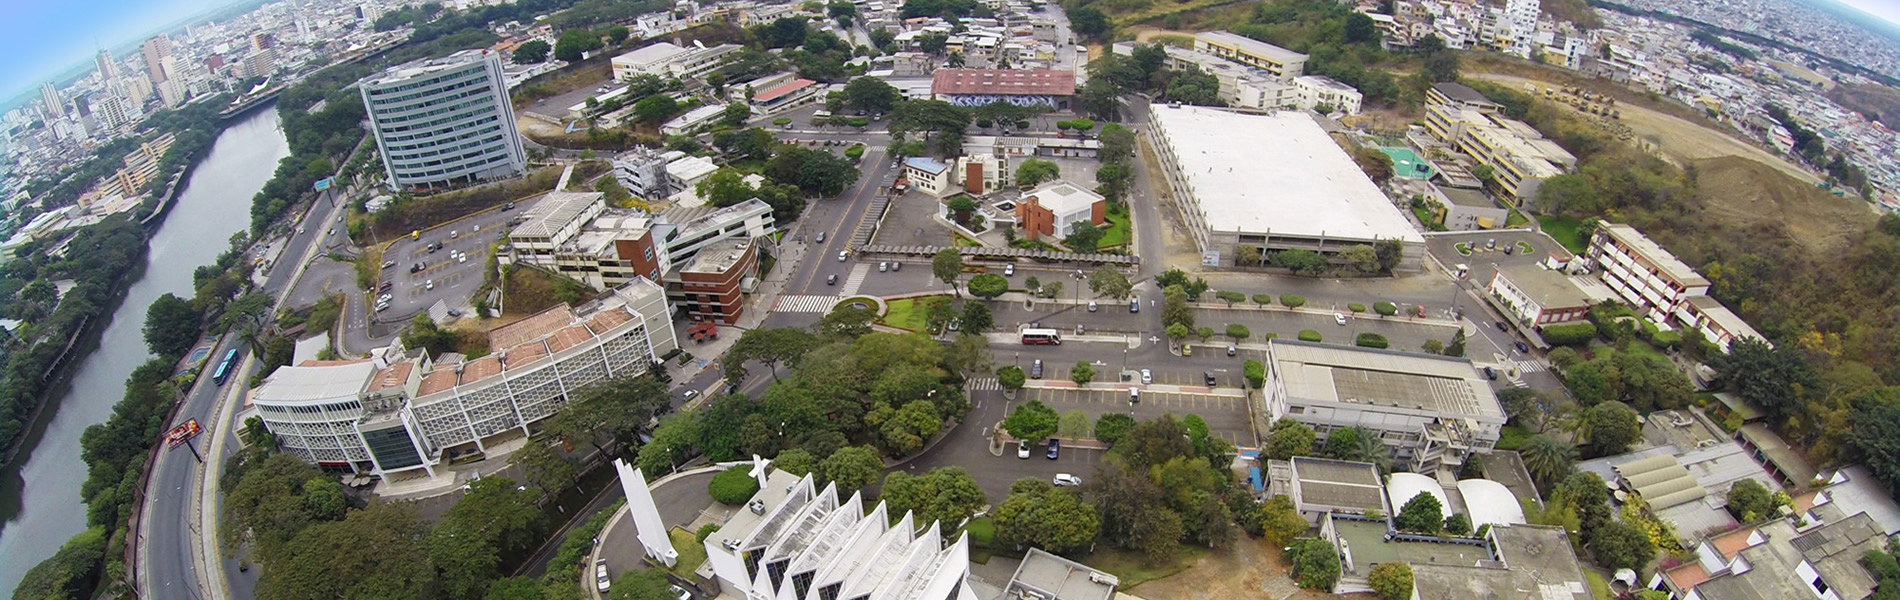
(1879, 101)
(1744, 194)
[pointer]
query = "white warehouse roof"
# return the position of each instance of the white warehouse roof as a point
(1278, 174)
(1489, 502)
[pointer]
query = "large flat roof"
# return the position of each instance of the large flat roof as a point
(555, 211)
(1060, 578)
(1550, 289)
(1331, 373)
(1277, 174)
(1532, 561)
(1004, 82)
(1249, 45)
(649, 54)
(315, 382)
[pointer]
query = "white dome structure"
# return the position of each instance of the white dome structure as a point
(1400, 488)
(1489, 502)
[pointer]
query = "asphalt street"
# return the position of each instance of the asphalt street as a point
(172, 547)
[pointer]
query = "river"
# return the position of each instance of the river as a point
(36, 518)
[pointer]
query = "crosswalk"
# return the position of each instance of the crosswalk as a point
(858, 273)
(1529, 366)
(804, 303)
(981, 384)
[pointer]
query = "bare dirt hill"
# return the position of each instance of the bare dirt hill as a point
(1740, 191)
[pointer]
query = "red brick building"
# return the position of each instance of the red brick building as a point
(712, 286)
(1050, 210)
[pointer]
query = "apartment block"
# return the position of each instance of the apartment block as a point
(1519, 157)
(1279, 62)
(1643, 273)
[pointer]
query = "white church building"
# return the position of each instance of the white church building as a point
(794, 541)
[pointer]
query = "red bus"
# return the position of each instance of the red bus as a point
(1033, 337)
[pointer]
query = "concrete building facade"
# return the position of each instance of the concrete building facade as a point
(1276, 182)
(1428, 411)
(1050, 210)
(389, 415)
(444, 120)
(1280, 62)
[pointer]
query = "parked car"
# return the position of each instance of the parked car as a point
(1035, 370)
(689, 395)
(601, 582)
(897, 266)
(1339, 318)
(386, 286)
(1208, 377)
(1009, 269)
(1522, 347)
(1147, 377)
(883, 266)
(1502, 326)
(1134, 305)
(821, 237)
(1490, 373)
(1491, 244)
(1091, 306)
(1022, 449)
(1233, 349)
(1187, 349)
(428, 284)
(388, 263)
(679, 593)
(1066, 480)
(1055, 448)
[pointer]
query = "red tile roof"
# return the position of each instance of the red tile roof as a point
(608, 319)
(525, 354)
(1004, 82)
(436, 381)
(1732, 543)
(568, 338)
(480, 368)
(393, 376)
(1686, 577)
(531, 328)
(781, 91)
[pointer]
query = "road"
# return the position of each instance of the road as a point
(171, 543)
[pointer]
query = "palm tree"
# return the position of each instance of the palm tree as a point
(1547, 459)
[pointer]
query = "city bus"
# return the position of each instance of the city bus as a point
(224, 367)
(1034, 337)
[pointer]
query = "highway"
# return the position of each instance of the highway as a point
(169, 535)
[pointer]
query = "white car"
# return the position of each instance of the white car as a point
(1066, 480)
(428, 284)
(1147, 377)
(461, 258)
(601, 582)
(1009, 270)
(1022, 449)
(842, 255)
(1339, 318)
(679, 592)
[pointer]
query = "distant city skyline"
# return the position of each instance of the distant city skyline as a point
(1887, 10)
(44, 40)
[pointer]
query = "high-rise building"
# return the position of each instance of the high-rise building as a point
(114, 110)
(50, 99)
(444, 120)
(260, 63)
(108, 68)
(262, 41)
(1520, 23)
(155, 51)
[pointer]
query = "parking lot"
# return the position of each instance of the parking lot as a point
(1483, 254)
(1226, 415)
(453, 279)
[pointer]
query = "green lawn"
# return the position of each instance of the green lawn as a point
(692, 553)
(1517, 219)
(1512, 437)
(1566, 231)
(1134, 569)
(1116, 234)
(904, 313)
(1426, 217)
(982, 531)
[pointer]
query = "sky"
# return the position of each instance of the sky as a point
(1885, 9)
(42, 38)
